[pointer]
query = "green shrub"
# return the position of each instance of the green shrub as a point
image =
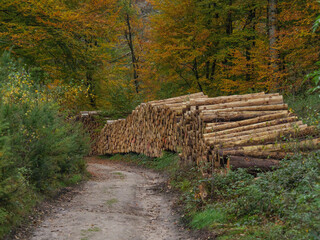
(288, 197)
(16, 194)
(306, 106)
(40, 150)
(45, 144)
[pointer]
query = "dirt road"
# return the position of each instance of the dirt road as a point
(119, 203)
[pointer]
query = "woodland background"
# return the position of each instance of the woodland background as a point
(111, 54)
(59, 57)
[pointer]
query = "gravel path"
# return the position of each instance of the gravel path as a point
(119, 203)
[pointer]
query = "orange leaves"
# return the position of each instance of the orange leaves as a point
(191, 43)
(55, 33)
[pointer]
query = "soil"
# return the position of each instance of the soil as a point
(119, 202)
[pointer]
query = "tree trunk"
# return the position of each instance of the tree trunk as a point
(250, 38)
(229, 26)
(196, 73)
(207, 70)
(272, 31)
(213, 69)
(90, 85)
(129, 37)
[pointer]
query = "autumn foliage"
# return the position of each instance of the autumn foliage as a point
(223, 47)
(123, 52)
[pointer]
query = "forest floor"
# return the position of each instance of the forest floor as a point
(119, 202)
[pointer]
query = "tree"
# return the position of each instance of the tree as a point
(129, 15)
(272, 32)
(227, 47)
(67, 39)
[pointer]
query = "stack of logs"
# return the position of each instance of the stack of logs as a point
(253, 130)
(150, 129)
(92, 124)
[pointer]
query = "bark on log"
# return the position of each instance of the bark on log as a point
(232, 116)
(232, 136)
(227, 99)
(211, 132)
(251, 102)
(248, 122)
(264, 137)
(249, 162)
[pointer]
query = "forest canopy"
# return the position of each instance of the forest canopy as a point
(120, 53)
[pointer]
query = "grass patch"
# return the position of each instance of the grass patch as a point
(88, 233)
(168, 162)
(208, 218)
(94, 229)
(119, 174)
(112, 201)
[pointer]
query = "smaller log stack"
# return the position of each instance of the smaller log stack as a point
(92, 125)
(149, 130)
(242, 131)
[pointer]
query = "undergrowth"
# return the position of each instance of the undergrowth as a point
(40, 151)
(281, 204)
(306, 106)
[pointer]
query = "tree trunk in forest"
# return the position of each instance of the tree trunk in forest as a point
(272, 31)
(90, 85)
(229, 29)
(213, 69)
(196, 73)
(129, 37)
(208, 70)
(250, 38)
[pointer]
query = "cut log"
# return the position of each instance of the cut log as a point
(251, 102)
(227, 99)
(248, 122)
(231, 136)
(248, 127)
(207, 117)
(272, 107)
(285, 146)
(255, 154)
(249, 162)
(264, 137)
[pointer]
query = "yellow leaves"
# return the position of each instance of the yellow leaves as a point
(53, 32)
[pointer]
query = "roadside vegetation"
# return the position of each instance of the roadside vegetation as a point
(281, 204)
(306, 106)
(40, 152)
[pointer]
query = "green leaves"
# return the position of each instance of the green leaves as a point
(316, 23)
(315, 79)
(39, 150)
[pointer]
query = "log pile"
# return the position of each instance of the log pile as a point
(242, 131)
(252, 130)
(149, 130)
(92, 124)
